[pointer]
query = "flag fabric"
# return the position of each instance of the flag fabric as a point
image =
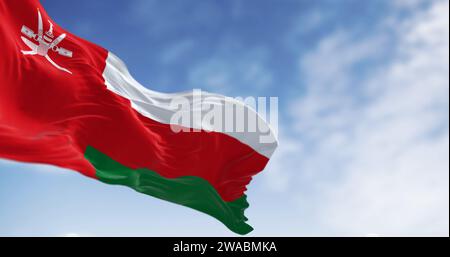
(67, 102)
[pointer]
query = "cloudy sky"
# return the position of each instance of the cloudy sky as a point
(363, 90)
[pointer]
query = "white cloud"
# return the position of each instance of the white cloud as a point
(377, 147)
(276, 175)
(75, 235)
(160, 18)
(407, 3)
(231, 68)
(71, 235)
(176, 51)
(306, 23)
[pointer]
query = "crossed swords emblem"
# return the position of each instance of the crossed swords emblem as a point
(45, 42)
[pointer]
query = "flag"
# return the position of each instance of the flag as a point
(67, 102)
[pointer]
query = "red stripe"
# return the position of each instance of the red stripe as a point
(139, 142)
(50, 116)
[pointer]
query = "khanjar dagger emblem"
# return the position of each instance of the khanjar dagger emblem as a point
(45, 42)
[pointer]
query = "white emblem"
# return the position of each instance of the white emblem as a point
(45, 42)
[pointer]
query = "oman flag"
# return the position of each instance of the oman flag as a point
(67, 102)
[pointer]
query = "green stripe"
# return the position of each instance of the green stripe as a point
(190, 191)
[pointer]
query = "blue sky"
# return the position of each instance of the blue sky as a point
(364, 104)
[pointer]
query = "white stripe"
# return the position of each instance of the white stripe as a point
(157, 106)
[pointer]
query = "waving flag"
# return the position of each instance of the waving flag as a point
(67, 102)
